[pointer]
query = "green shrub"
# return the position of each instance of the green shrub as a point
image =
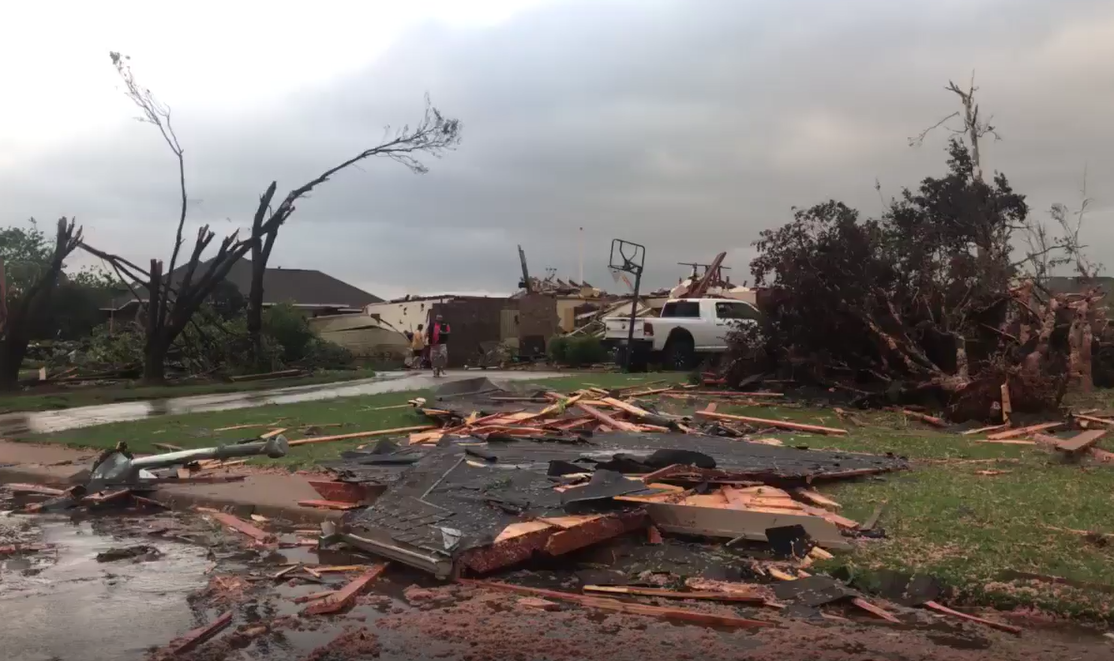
(558, 350)
(289, 328)
(323, 354)
(576, 351)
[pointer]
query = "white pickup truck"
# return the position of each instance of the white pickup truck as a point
(686, 328)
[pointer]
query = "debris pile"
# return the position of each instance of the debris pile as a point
(506, 476)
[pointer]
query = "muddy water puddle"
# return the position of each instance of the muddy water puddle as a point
(62, 603)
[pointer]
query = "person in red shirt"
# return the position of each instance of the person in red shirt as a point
(438, 341)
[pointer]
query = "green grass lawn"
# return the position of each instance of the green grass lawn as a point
(70, 397)
(945, 519)
(942, 517)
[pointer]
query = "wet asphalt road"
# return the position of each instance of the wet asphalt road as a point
(87, 416)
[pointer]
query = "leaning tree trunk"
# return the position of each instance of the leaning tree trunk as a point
(17, 328)
(255, 310)
(262, 243)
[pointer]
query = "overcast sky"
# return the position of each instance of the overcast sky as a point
(685, 125)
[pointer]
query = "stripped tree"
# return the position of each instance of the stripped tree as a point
(172, 299)
(432, 136)
(26, 300)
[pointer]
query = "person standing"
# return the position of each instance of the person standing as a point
(438, 337)
(417, 347)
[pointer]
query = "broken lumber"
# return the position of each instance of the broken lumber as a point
(781, 424)
(1023, 431)
(1091, 418)
(20, 487)
(167, 447)
(925, 418)
(200, 635)
(625, 607)
(267, 375)
(102, 498)
(343, 492)
(273, 432)
(606, 419)
(940, 608)
(328, 504)
(362, 434)
(248, 426)
(1080, 442)
(983, 430)
(345, 596)
(313, 596)
(677, 594)
(815, 498)
(241, 526)
(1007, 407)
(876, 611)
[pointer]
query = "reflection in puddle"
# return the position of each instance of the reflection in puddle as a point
(66, 605)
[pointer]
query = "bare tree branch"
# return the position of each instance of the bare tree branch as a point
(158, 114)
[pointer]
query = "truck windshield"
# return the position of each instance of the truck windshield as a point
(681, 309)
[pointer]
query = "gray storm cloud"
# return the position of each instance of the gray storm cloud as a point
(687, 126)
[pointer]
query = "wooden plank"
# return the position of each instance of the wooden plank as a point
(248, 426)
(625, 607)
(200, 635)
(344, 597)
(815, 498)
(872, 520)
(780, 424)
(630, 408)
(874, 610)
(1080, 442)
(335, 569)
(313, 596)
(927, 419)
(940, 608)
(102, 498)
(21, 487)
(1010, 441)
(732, 393)
(1023, 431)
(273, 432)
(676, 594)
(328, 504)
(733, 523)
(343, 492)
(283, 572)
(1089, 418)
(1007, 407)
(239, 525)
(606, 419)
(268, 375)
(983, 430)
(167, 447)
(362, 434)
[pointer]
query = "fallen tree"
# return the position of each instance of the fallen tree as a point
(924, 303)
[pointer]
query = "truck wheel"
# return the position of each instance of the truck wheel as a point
(680, 354)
